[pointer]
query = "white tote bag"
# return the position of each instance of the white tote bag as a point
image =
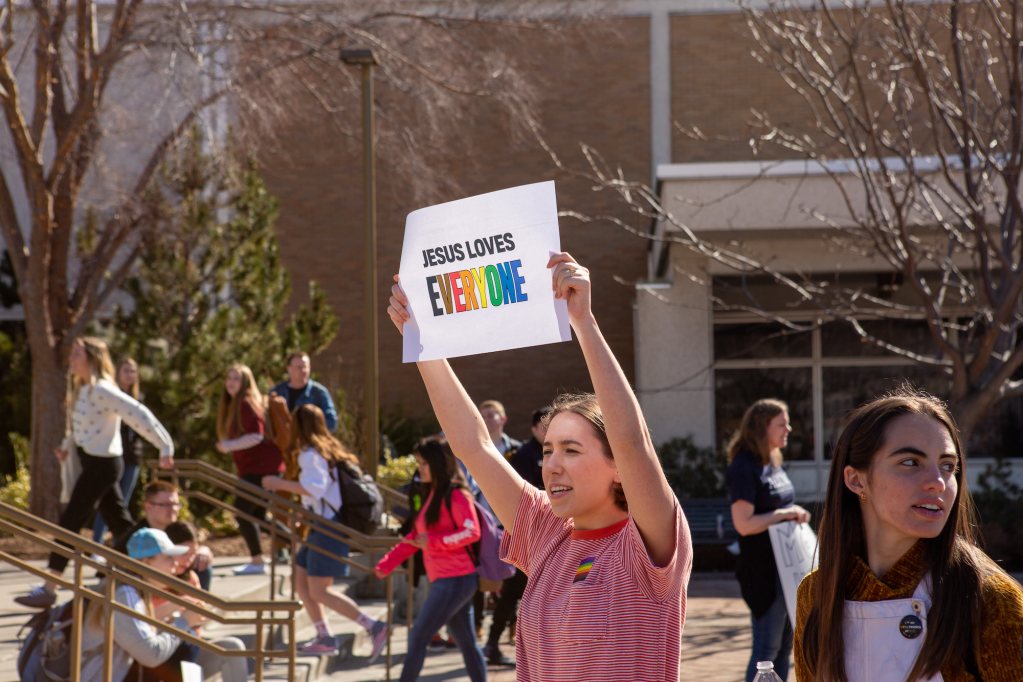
(70, 470)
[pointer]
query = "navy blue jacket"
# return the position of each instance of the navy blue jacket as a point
(314, 393)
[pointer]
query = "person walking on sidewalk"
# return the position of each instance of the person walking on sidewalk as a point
(319, 484)
(300, 389)
(495, 418)
(127, 376)
(607, 548)
(444, 529)
(97, 410)
(762, 495)
(241, 428)
(527, 459)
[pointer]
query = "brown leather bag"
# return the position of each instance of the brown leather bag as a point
(279, 428)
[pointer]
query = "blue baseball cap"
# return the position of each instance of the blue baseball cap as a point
(147, 542)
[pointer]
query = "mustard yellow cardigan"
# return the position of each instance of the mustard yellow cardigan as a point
(1000, 655)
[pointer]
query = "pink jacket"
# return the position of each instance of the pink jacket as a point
(446, 554)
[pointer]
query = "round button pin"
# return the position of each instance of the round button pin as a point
(911, 627)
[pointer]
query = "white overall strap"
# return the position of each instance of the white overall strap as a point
(884, 638)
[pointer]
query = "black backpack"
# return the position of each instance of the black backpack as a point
(362, 505)
(45, 654)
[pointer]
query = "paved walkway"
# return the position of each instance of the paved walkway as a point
(715, 642)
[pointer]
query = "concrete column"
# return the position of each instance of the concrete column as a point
(660, 89)
(674, 352)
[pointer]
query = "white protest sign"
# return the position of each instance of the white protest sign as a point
(795, 553)
(475, 274)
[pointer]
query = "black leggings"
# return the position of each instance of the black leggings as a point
(97, 487)
(249, 529)
(511, 593)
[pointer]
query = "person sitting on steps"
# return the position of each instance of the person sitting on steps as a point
(162, 506)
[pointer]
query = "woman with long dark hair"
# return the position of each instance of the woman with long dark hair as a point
(902, 592)
(444, 529)
(241, 429)
(97, 409)
(762, 495)
(606, 546)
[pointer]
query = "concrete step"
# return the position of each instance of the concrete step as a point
(353, 641)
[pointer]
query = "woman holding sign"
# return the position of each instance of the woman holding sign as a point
(606, 546)
(762, 495)
(902, 592)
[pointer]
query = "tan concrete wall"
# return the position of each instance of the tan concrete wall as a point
(674, 353)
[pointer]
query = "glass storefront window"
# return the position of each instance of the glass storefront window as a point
(744, 372)
(760, 340)
(840, 340)
(846, 388)
(1000, 432)
(737, 389)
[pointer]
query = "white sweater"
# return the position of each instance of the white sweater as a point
(315, 476)
(96, 421)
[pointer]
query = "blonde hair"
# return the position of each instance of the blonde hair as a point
(586, 406)
(94, 612)
(495, 406)
(133, 390)
(752, 433)
(229, 409)
(100, 365)
(309, 430)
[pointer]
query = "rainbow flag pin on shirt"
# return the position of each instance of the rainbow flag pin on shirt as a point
(584, 569)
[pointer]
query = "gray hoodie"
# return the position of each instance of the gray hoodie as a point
(133, 640)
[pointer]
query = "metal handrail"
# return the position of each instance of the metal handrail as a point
(197, 470)
(120, 568)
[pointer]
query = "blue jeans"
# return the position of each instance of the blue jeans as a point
(450, 602)
(772, 638)
(127, 485)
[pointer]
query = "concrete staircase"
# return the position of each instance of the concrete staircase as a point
(353, 643)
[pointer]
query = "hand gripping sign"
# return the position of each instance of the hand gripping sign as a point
(475, 273)
(795, 553)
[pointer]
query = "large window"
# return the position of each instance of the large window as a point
(846, 388)
(825, 373)
(737, 389)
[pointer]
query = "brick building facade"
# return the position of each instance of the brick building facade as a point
(598, 96)
(658, 69)
(686, 61)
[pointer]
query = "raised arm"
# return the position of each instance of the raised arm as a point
(137, 416)
(464, 428)
(651, 501)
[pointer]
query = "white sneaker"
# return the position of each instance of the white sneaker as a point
(251, 569)
(98, 559)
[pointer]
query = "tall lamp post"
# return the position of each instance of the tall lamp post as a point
(366, 59)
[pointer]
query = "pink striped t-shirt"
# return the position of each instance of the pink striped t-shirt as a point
(595, 607)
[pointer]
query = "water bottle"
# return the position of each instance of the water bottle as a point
(765, 672)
